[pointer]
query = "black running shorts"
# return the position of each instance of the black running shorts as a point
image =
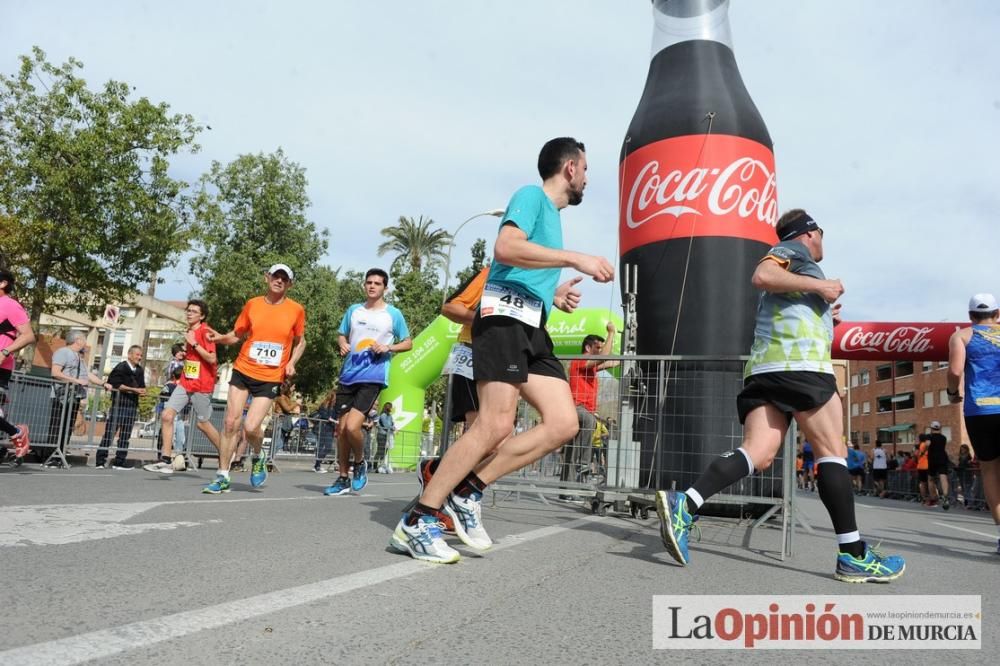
(464, 398)
(984, 435)
(507, 350)
(255, 387)
(791, 392)
(361, 397)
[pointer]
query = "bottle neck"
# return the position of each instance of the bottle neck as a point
(676, 21)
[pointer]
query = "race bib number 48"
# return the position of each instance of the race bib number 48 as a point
(267, 353)
(507, 302)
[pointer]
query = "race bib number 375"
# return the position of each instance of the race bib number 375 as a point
(267, 353)
(507, 302)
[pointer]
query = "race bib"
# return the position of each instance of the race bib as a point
(501, 300)
(459, 361)
(267, 353)
(192, 369)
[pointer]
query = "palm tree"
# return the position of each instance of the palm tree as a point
(415, 242)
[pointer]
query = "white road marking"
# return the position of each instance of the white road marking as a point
(108, 642)
(964, 529)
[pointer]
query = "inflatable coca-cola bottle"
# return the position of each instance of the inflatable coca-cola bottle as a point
(697, 212)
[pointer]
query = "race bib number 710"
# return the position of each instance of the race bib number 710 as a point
(267, 353)
(507, 302)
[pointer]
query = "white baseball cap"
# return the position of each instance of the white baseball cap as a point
(281, 267)
(982, 303)
(935, 425)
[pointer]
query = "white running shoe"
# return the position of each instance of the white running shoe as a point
(423, 541)
(159, 467)
(467, 515)
(178, 463)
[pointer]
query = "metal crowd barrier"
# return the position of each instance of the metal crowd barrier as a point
(668, 417)
(964, 486)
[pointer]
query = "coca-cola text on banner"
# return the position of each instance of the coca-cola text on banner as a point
(893, 341)
(698, 185)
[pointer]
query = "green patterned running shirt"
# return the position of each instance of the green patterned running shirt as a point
(794, 331)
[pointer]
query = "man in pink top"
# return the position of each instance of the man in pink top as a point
(15, 333)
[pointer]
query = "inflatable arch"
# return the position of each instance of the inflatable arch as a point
(412, 372)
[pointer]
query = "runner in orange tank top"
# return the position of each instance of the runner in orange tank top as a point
(272, 328)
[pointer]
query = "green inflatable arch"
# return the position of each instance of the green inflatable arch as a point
(412, 372)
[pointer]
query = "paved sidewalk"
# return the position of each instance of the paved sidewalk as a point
(130, 567)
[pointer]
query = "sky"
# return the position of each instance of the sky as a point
(885, 116)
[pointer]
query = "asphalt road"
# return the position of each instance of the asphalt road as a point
(117, 567)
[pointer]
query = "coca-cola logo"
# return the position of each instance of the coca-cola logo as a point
(746, 187)
(899, 340)
(697, 185)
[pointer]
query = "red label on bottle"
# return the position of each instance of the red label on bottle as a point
(697, 185)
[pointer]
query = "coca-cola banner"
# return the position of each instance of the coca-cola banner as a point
(698, 185)
(893, 341)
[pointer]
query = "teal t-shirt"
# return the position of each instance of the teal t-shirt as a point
(534, 214)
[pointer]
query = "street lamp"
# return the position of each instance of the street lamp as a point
(496, 212)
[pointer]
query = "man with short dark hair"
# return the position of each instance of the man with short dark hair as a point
(15, 334)
(370, 333)
(789, 375)
(128, 381)
(938, 464)
(512, 357)
(197, 381)
(583, 385)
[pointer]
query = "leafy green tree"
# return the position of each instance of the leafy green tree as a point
(252, 213)
(88, 208)
(478, 261)
(415, 244)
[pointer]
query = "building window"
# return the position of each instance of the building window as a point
(904, 401)
(854, 437)
(854, 381)
(883, 372)
(906, 437)
(884, 403)
(929, 399)
(904, 368)
(942, 365)
(854, 409)
(866, 437)
(117, 346)
(866, 407)
(946, 431)
(865, 377)
(943, 397)
(928, 366)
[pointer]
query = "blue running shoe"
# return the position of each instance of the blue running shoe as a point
(675, 523)
(874, 567)
(220, 485)
(360, 477)
(258, 473)
(341, 486)
(423, 541)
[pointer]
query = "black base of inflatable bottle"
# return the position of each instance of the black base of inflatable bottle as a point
(689, 420)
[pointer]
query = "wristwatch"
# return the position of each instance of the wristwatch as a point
(5, 353)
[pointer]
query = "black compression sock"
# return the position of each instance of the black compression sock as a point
(724, 471)
(835, 492)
